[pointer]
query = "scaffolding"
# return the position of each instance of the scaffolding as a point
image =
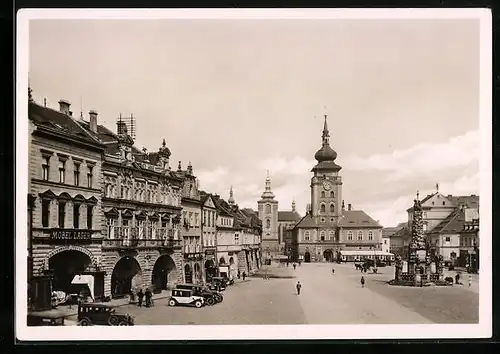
(127, 125)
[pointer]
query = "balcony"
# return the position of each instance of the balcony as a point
(146, 237)
(70, 236)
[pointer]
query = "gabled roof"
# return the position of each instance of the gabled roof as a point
(306, 222)
(288, 216)
(454, 223)
(357, 218)
(58, 122)
(471, 201)
(391, 231)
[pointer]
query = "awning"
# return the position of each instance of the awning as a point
(365, 253)
(85, 279)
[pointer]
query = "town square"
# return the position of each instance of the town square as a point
(206, 172)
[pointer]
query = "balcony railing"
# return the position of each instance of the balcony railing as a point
(128, 243)
(136, 237)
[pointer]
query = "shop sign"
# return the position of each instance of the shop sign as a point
(73, 236)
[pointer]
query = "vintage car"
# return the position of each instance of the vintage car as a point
(102, 314)
(210, 297)
(185, 297)
(218, 284)
(46, 318)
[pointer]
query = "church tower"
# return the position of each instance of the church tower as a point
(326, 184)
(268, 214)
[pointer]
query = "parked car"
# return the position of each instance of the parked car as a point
(210, 297)
(185, 297)
(218, 284)
(102, 314)
(46, 318)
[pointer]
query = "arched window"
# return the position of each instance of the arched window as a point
(322, 208)
(332, 208)
(332, 194)
(306, 236)
(331, 236)
(322, 235)
(322, 194)
(360, 235)
(268, 223)
(349, 235)
(370, 235)
(268, 209)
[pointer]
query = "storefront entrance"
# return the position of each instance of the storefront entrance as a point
(328, 255)
(307, 257)
(161, 270)
(210, 270)
(127, 275)
(188, 274)
(64, 266)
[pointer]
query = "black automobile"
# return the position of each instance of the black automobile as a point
(102, 314)
(210, 297)
(218, 284)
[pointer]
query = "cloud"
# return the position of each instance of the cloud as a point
(424, 158)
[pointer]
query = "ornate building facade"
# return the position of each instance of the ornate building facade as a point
(141, 200)
(328, 231)
(65, 198)
(209, 235)
(268, 214)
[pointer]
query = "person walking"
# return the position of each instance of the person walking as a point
(244, 275)
(140, 296)
(362, 281)
(298, 286)
(148, 296)
(470, 280)
(239, 274)
(294, 266)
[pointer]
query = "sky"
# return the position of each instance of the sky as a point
(239, 97)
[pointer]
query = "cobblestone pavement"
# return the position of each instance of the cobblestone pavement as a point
(325, 298)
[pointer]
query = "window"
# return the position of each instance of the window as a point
(331, 236)
(424, 227)
(349, 235)
(268, 209)
(77, 174)
(322, 194)
(360, 235)
(76, 216)
(236, 238)
(332, 194)
(141, 229)
(432, 203)
(89, 176)
(196, 219)
(447, 239)
(307, 236)
(204, 217)
(62, 213)
(424, 215)
(385, 242)
(62, 172)
(322, 220)
(444, 203)
(332, 208)
(268, 223)
(90, 209)
(370, 235)
(111, 228)
(322, 235)
(45, 212)
(46, 169)
(322, 208)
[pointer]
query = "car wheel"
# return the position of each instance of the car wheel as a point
(123, 323)
(210, 301)
(198, 304)
(113, 321)
(172, 302)
(220, 298)
(84, 322)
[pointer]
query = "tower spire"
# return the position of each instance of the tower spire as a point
(267, 192)
(293, 204)
(326, 133)
(231, 197)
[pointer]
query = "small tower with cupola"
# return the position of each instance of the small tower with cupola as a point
(268, 214)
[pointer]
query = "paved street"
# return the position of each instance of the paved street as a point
(325, 299)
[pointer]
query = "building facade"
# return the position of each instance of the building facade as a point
(141, 201)
(209, 235)
(328, 228)
(65, 194)
(191, 226)
(286, 222)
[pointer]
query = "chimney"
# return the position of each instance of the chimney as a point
(64, 107)
(349, 207)
(93, 121)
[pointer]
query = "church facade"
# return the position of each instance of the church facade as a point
(328, 231)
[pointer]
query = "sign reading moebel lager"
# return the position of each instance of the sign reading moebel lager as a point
(70, 236)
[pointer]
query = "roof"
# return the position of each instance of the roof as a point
(357, 218)
(307, 221)
(61, 123)
(391, 231)
(454, 223)
(288, 216)
(471, 201)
